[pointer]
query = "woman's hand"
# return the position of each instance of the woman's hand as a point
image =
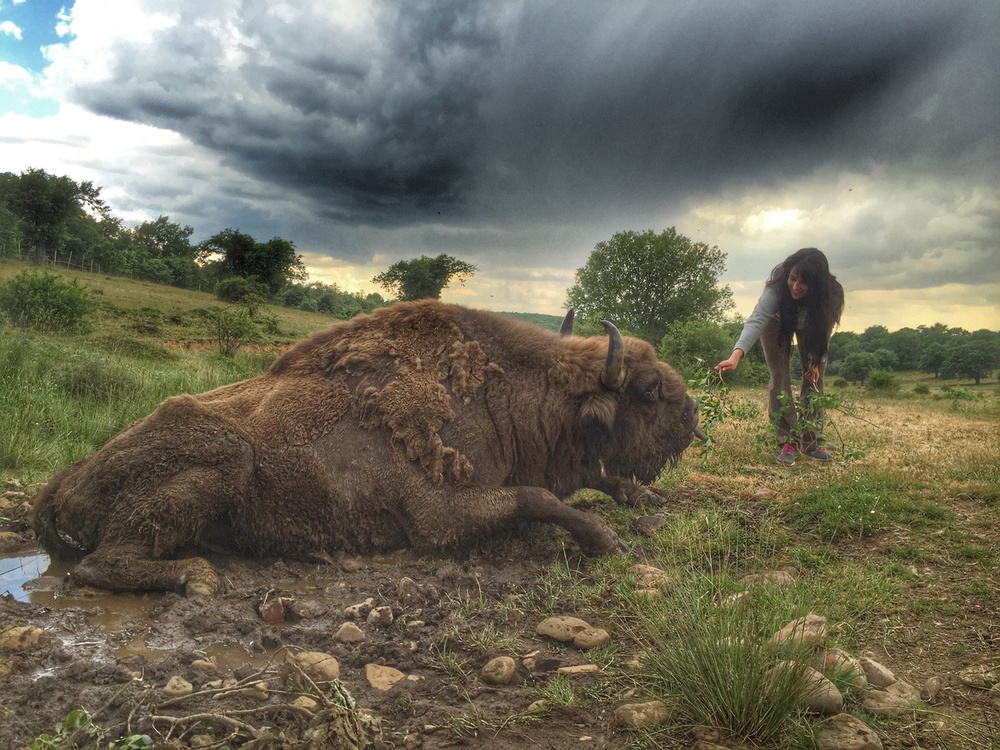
(811, 373)
(730, 364)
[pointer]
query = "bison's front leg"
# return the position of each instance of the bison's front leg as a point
(473, 511)
(627, 492)
(131, 568)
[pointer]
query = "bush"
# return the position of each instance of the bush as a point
(922, 390)
(882, 381)
(840, 383)
(235, 288)
(92, 378)
(44, 302)
(857, 365)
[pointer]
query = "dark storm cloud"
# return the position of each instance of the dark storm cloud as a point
(474, 110)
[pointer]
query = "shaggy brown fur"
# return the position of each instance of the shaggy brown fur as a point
(423, 424)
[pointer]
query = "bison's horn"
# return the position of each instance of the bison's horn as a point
(567, 325)
(614, 368)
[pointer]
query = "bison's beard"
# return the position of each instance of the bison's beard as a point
(642, 470)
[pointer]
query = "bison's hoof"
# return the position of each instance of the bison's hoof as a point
(601, 540)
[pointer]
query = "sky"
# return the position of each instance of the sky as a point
(518, 135)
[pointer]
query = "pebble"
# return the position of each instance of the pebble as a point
(561, 628)
(817, 694)
(884, 704)
(306, 703)
(10, 542)
(931, 689)
(499, 671)
(177, 687)
(845, 732)
(208, 664)
(806, 631)
(382, 678)
(361, 610)
(877, 674)
(579, 669)
(319, 666)
(649, 525)
(380, 617)
(844, 666)
(591, 638)
(272, 611)
(980, 676)
(349, 633)
(641, 714)
(651, 577)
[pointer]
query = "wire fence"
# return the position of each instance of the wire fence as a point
(63, 260)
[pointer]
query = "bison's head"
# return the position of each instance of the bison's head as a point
(643, 417)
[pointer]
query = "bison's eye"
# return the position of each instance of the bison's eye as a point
(650, 391)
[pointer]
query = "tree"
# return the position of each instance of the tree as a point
(874, 337)
(906, 343)
(44, 204)
(933, 357)
(650, 282)
(695, 345)
(976, 356)
(165, 253)
(887, 359)
(857, 365)
(423, 277)
(273, 263)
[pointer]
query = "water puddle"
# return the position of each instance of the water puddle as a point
(17, 570)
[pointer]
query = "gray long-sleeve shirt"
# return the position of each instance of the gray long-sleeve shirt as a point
(765, 311)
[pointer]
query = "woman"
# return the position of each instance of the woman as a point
(803, 298)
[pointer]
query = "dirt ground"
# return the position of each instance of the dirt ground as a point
(114, 655)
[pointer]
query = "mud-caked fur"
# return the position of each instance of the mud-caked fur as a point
(422, 424)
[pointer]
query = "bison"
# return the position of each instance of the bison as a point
(422, 424)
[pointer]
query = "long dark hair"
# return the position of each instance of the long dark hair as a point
(824, 301)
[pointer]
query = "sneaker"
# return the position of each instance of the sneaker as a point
(787, 454)
(819, 455)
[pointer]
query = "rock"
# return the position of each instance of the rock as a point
(413, 740)
(499, 671)
(272, 611)
(776, 577)
(319, 666)
(380, 617)
(537, 706)
(413, 624)
(382, 678)
(877, 674)
(740, 598)
(651, 577)
(884, 704)
(349, 633)
(305, 702)
(641, 714)
(359, 611)
(561, 628)
(844, 732)
(177, 687)
(764, 493)
(931, 688)
(304, 609)
(203, 740)
(817, 694)
(844, 666)
(903, 690)
(649, 525)
(259, 690)
(591, 638)
(980, 676)
(410, 592)
(209, 665)
(540, 664)
(579, 669)
(806, 631)
(23, 637)
(11, 542)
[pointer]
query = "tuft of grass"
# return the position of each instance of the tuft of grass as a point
(860, 507)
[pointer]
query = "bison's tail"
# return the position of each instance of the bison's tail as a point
(45, 511)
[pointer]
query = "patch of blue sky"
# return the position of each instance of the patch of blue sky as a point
(26, 28)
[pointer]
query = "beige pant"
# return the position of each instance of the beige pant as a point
(786, 419)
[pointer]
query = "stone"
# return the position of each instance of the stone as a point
(272, 611)
(931, 688)
(843, 666)
(349, 633)
(806, 631)
(23, 637)
(380, 617)
(845, 732)
(651, 577)
(817, 694)
(319, 666)
(649, 525)
(764, 493)
(10, 542)
(209, 665)
(561, 628)
(536, 664)
(775, 577)
(305, 703)
(537, 706)
(884, 704)
(413, 740)
(641, 714)
(499, 671)
(259, 690)
(980, 676)
(361, 610)
(202, 740)
(904, 690)
(579, 669)
(177, 687)
(591, 638)
(877, 674)
(304, 609)
(382, 678)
